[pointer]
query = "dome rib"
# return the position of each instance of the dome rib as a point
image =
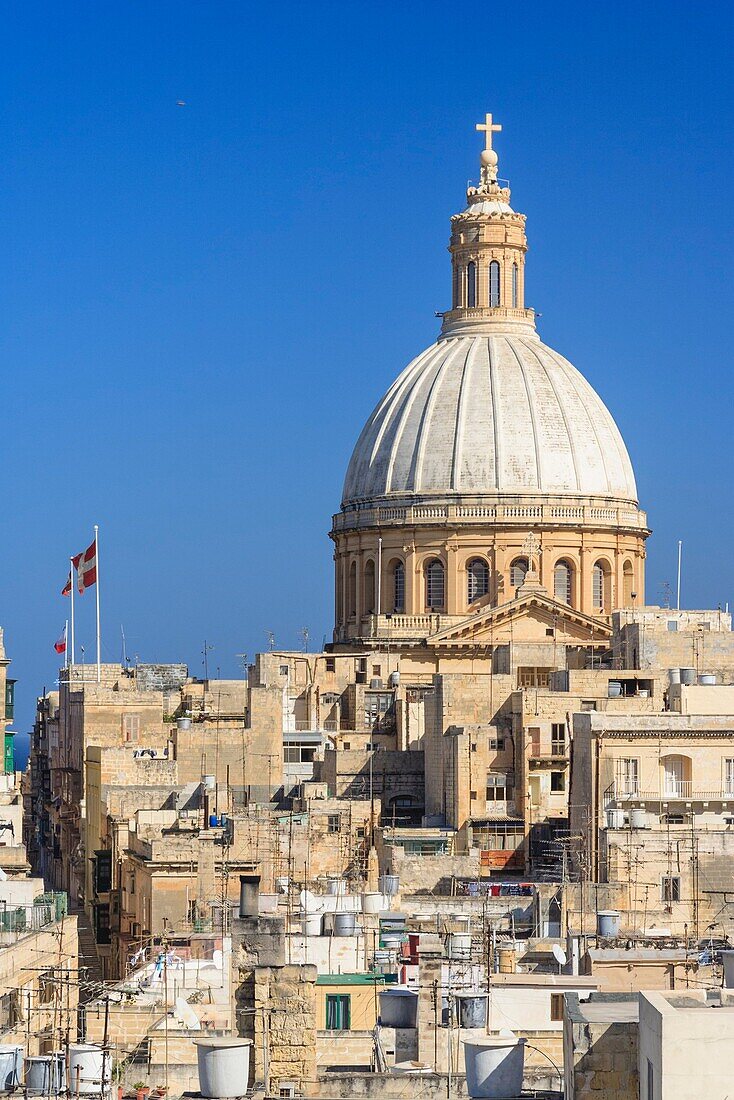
(533, 418)
(562, 411)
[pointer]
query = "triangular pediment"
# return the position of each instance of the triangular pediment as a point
(528, 617)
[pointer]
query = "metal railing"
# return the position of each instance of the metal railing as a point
(678, 789)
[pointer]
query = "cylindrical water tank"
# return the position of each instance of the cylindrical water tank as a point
(398, 1007)
(688, 675)
(344, 924)
(224, 1067)
(249, 895)
(11, 1062)
(494, 1066)
(183, 723)
(707, 679)
(209, 782)
(727, 957)
(392, 939)
(334, 885)
(458, 945)
(614, 689)
(607, 923)
(507, 960)
(472, 1008)
(615, 819)
(389, 884)
(411, 1069)
(673, 675)
(394, 679)
(638, 818)
(372, 902)
(311, 924)
(89, 1069)
(46, 1073)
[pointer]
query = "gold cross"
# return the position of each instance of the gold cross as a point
(489, 128)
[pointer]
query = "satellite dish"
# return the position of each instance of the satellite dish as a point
(559, 954)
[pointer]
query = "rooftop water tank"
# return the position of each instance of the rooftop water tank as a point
(494, 1066)
(311, 924)
(344, 924)
(389, 884)
(614, 689)
(224, 1067)
(372, 902)
(673, 675)
(638, 818)
(707, 679)
(615, 819)
(89, 1069)
(11, 1061)
(607, 923)
(46, 1073)
(458, 945)
(398, 1007)
(688, 675)
(471, 1008)
(183, 723)
(394, 679)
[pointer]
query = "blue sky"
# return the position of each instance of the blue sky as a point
(201, 304)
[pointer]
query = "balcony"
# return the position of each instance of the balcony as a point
(681, 790)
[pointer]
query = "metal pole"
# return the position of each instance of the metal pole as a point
(72, 574)
(680, 554)
(378, 608)
(96, 588)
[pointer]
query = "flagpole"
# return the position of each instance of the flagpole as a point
(72, 575)
(96, 588)
(66, 638)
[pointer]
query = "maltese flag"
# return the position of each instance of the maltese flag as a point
(60, 645)
(85, 566)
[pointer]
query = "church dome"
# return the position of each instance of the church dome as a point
(487, 414)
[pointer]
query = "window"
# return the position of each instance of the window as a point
(514, 286)
(9, 1009)
(588, 704)
(46, 987)
(102, 924)
(499, 837)
(628, 583)
(369, 587)
(352, 590)
(338, 1011)
(557, 782)
(497, 743)
(377, 670)
(500, 787)
(333, 823)
(729, 777)
(558, 738)
(435, 584)
(398, 580)
(628, 775)
(518, 572)
(494, 283)
(299, 754)
(284, 670)
(556, 1006)
(562, 576)
(528, 677)
(597, 586)
(471, 285)
(670, 889)
(331, 664)
(477, 580)
(130, 727)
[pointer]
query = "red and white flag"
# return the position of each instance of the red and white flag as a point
(60, 645)
(85, 567)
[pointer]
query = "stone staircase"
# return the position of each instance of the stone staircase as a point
(88, 959)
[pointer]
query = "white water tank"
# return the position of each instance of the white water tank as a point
(688, 676)
(372, 902)
(344, 924)
(673, 675)
(458, 945)
(707, 679)
(494, 1066)
(311, 924)
(615, 819)
(11, 1061)
(224, 1067)
(46, 1073)
(638, 818)
(89, 1069)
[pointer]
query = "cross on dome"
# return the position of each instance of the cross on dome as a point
(489, 128)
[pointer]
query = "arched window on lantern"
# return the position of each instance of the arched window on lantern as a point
(628, 582)
(477, 579)
(518, 572)
(435, 585)
(471, 285)
(514, 285)
(398, 586)
(562, 581)
(494, 283)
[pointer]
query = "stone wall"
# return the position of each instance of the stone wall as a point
(600, 1055)
(284, 1026)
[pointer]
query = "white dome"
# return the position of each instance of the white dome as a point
(492, 414)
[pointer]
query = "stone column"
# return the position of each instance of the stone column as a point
(412, 582)
(430, 954)
(452, 594)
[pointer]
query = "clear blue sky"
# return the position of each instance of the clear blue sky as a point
(201, 304)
